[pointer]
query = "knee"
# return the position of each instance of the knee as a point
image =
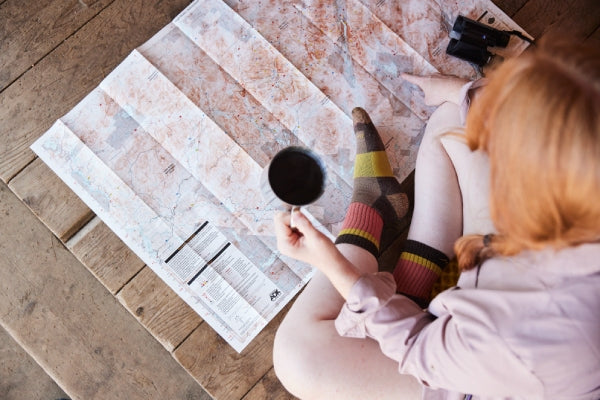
(444, 119)
(295, 360)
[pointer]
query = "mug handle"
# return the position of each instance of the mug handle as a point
(292, 225)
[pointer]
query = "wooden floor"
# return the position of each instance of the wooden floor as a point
(86, 309)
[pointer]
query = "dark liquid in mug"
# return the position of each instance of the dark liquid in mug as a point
(296, 177)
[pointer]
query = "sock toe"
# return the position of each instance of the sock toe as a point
(360, 116)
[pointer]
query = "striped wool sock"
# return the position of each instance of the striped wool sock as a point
(418, 268)
(377, 199)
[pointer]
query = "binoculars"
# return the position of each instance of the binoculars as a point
(470, 39)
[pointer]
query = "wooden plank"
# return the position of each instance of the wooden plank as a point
(30, 29)
(223, 372)
(20, 376)
(510, 7)
(594, 38)
(164, 314)
(574, 18)
(71, 325)
(105, 255)
(51, 200)
(54, 85)
(269, 388)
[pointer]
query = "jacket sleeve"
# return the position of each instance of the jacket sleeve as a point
(454, 352)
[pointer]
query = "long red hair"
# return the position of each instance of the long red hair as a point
(539, 121)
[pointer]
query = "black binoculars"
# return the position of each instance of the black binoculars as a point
(470, 39)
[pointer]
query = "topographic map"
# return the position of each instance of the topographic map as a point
(169, 150)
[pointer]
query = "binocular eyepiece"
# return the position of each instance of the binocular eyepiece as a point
(470, 39)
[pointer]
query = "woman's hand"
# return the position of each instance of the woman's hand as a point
(305, 243)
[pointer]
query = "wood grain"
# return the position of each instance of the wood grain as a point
(156, 306)
(594, 38)
(575, 18)
(51, 200)
(224, 373)
(105, 255)
(54, 85)
(268, 388)
(30, 29)
(71, 325)
(20, 376)
(510, 7)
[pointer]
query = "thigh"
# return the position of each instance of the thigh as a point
(473, 173)
(451, 184)
(437, 217)
(313, 361)
(324, 365)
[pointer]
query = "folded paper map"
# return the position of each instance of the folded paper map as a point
(170, 148)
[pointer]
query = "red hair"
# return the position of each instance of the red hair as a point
(539, 121)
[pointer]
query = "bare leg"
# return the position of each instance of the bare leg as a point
(473, 171)
(437, 217)
(445, 165)
(313, 361)
(445, 160)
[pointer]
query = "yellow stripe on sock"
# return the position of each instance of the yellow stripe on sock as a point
(421, 261)
(372, 164)
(361, 233)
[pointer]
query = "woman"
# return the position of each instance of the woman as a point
(523, 321)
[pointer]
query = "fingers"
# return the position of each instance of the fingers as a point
(282, 226)
(283, 223)
(301, 223)
(287, 238)
(298, 242)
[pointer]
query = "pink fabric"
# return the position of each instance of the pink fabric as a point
(529, 328)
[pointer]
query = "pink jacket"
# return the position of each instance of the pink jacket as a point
(522, 327)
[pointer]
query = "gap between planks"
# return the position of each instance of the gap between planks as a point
(33, 62)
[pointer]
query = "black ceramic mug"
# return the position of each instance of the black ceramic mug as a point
(295, 177)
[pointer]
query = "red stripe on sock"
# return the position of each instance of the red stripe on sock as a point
(367, 219)
(414, 279)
